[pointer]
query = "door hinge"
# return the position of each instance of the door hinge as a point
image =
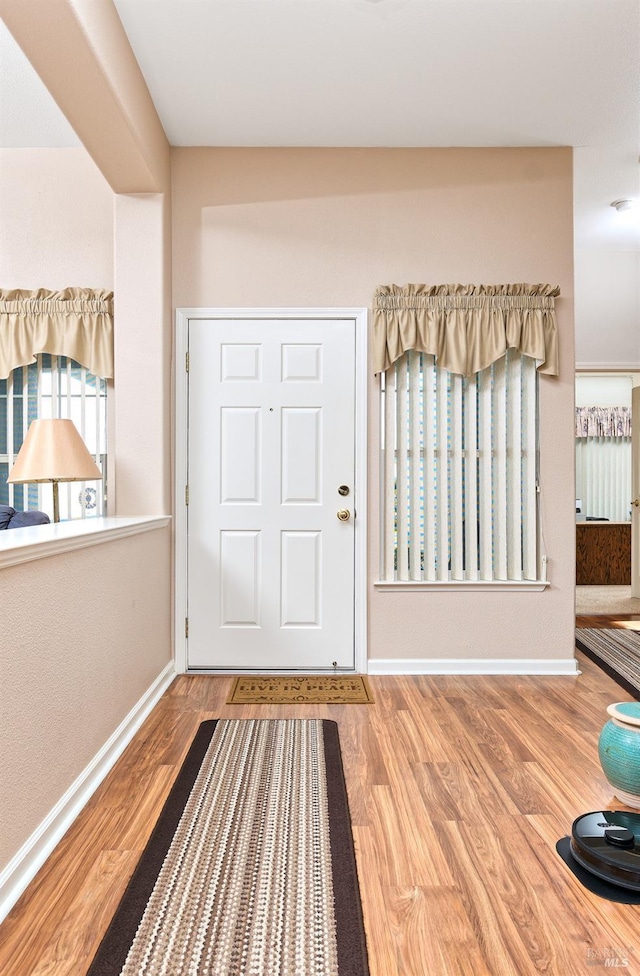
(186, 626)
(186, 362)
(186, 494)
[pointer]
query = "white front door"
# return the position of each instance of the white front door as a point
(271, 475)
(635, 488)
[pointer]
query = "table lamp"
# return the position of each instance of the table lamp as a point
(53, 451)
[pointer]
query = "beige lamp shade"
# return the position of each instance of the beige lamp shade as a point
(53, 451)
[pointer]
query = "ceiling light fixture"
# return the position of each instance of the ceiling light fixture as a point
(623, 204)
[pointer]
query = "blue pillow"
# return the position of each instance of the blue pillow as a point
(10, 519)
(21, 519)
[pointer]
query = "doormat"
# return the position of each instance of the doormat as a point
(250, 867)
(352, 689)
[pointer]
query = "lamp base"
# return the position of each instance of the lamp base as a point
(56, 503)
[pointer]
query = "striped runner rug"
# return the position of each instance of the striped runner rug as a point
(617, 651)
(250, 869)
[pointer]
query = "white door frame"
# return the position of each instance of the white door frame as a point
(183, 316)
(635, 491)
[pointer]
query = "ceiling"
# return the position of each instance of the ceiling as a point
(384, 73)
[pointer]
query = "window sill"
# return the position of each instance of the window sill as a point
(463, 586)
(38, 541)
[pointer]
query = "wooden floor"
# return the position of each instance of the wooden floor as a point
(630, 621)
(459, 789)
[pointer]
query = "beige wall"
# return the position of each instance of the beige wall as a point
(62, 225)
(56, 228)
(607, 307)
(143, 331)
(84, 635)
(324, 227)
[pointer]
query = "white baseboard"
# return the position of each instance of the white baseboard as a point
(27, 862)
(472, 666)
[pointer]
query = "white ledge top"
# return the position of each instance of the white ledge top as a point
(485, 586)
(37, 541)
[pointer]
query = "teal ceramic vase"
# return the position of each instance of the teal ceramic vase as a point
(619, 751)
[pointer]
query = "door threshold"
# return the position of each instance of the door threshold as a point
(273, 671)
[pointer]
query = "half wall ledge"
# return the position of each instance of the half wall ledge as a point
(39, 541)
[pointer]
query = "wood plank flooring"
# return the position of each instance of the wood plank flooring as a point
(459, 789)
(630, 621)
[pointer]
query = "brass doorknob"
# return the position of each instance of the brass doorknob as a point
(636, 502)
(344, 514)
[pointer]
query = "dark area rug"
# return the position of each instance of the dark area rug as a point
(617, 651)
(250, 867)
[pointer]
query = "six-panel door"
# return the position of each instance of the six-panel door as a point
(271, 440)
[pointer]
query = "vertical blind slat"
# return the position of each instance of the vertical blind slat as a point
(25, 410)
(390, 474)
(430, 510)
(485, 424)
(471, 513)
(455, 479)
(415, 436)
(499, 470)
(514, 466)
(403, 471)
(529, 472)
(68, 413)
(442, 473)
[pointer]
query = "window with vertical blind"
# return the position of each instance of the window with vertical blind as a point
(54, 386)
(459, 471)
(603, 449)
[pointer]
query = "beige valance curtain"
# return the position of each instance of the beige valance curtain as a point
(466, 327)
(74, 322)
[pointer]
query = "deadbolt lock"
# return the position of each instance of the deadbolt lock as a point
(343, 490)
(344, 514)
